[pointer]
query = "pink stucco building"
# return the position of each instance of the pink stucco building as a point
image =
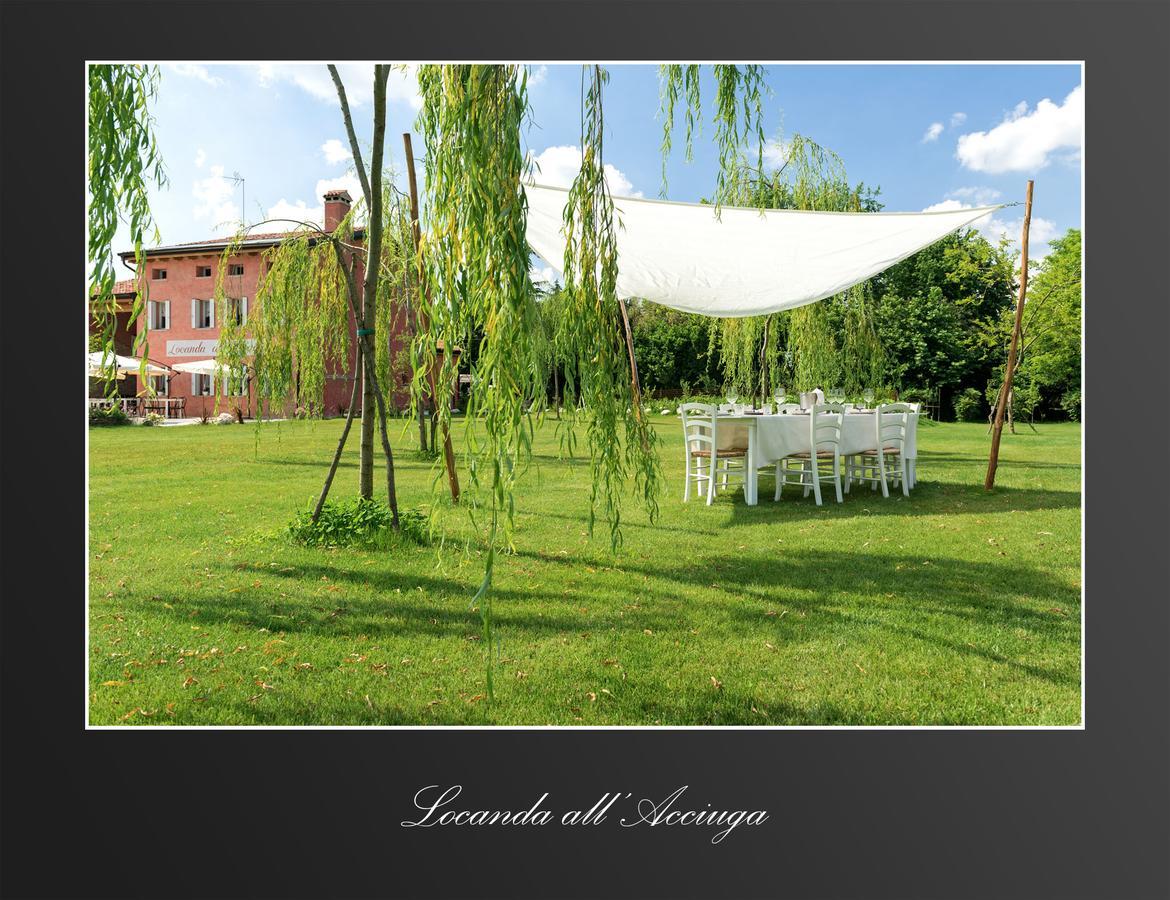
(181, 318)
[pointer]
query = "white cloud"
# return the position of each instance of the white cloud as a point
(776, 153)
(543, 273)
(190, 70)
(558, 166)
(303, 212)
(358, 79)
(981, 196)
(958, 119)
(932, 133)
(335, 152)
(298, 211)
(1024, 141)
(200, 158)
(994, 229)
(537, 75)
(214, 200)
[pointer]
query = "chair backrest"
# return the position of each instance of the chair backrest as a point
(700, 421)
(824, 422)
(890, 423)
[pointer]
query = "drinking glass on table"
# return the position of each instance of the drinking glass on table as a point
(781, 397)
(837, 395)
(867, 396)
(732, 399)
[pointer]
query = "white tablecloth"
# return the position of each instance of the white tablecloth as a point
(783, 435)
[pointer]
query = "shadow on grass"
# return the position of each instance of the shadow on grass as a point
(807, 594)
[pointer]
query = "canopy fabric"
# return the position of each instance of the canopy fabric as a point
(196, 367)
(123, 365)
(744, 262)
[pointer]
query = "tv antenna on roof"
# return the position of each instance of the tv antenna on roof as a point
(237, 178)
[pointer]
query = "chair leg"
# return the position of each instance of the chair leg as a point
(816, 481)
(711, 462)
(687, 469)
(882, 473)
(837, 477)
(779, 480)
(904, 479)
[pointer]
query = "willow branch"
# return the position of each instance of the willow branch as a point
(353, 142)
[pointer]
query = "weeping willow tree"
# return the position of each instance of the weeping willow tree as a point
(123, 161)
(476, 257)
(828, 343)
(309, 302)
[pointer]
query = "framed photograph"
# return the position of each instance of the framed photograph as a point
(622, 450)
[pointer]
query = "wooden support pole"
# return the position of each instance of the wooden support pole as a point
(424, 318)
(1010, 371)
(635, 383)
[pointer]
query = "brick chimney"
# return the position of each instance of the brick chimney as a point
(337, 204)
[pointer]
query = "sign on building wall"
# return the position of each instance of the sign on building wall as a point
(198, 349)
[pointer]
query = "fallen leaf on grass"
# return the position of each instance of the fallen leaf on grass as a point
(716, 683)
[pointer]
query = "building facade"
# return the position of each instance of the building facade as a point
(181, 324)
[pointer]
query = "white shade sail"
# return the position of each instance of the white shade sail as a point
(744, 262)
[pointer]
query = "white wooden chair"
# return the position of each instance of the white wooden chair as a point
(825, 422)
(885, 461)
(701, 445)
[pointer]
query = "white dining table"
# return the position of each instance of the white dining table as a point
(772, 437)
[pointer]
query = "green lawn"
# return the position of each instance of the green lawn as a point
(951, 607)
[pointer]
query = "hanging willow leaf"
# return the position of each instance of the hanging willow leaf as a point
(476, 259)
(123, 159)
(591, 334)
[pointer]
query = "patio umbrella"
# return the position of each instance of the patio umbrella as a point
(122, 365)
(196, 367)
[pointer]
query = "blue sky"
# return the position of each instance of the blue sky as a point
(927, 135)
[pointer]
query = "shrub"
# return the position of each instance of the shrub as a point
(112, 415)
(969, 406)
(1070, 402)
(355, 522)
(153, 418)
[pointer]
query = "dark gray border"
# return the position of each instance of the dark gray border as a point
(861, 814)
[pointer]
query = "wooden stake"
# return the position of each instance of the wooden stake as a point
(1010, 370)
(635, 383)
(424, 319)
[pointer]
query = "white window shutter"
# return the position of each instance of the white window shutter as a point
(210, 313)
(194, 313)
(243, 310)
(166, 314)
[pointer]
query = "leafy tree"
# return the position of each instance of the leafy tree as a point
(923, 337)
(673, 348)
(123, 160)
(1050, 350)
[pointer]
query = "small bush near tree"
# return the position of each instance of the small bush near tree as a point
(1070, 402)
(112, 415)
(357, 521)
(969, 406)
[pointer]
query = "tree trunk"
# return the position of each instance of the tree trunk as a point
(353, 398)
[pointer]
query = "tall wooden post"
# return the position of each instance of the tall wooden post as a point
(424, 316)
(1010, 370)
